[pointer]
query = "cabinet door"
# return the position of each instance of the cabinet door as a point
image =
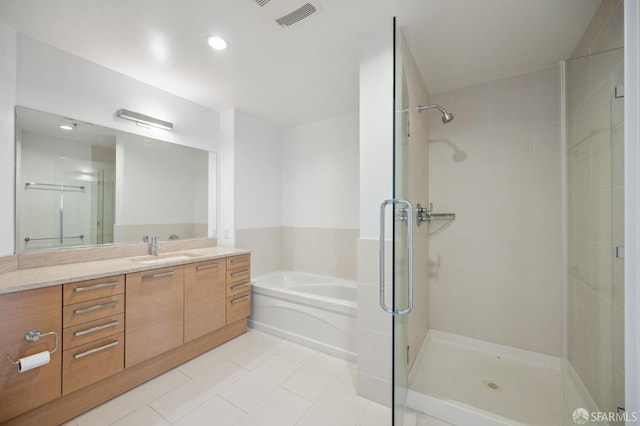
(204, 298)
(154, 313)
(41, 310)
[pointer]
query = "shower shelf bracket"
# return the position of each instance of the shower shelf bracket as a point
(426, 214)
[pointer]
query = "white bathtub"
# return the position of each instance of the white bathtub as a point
(312, 310)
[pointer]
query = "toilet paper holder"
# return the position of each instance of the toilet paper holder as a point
(34, 336)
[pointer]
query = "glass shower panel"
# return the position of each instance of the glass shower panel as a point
(402, 221)
(594, 107)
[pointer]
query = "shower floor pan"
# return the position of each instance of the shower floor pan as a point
(466, 381)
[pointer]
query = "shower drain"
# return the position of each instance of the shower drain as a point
(493, 386)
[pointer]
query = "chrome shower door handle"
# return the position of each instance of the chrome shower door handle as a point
(409, 222)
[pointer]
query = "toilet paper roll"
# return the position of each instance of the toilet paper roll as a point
(33, 361)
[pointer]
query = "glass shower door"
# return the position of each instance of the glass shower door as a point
(402, 246)
(594, 379)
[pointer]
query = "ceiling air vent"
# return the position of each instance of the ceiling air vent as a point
(297, 15)
(286, 13)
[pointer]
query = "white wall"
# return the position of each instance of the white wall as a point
(54, 81)
(153, 172)
(226, 223)
(376, 166)
(7, 144)
(320, 173)
(257, 172)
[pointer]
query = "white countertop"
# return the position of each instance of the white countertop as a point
(27, 279)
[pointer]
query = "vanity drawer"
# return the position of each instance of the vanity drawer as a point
(239, 262)
(92, 310)
(234, 289)
(93, 330)
(238, 275)
(92, 289)
(92, 362)
(238, 307)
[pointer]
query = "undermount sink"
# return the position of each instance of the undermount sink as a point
(161, 258)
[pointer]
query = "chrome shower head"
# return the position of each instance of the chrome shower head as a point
(447, 117)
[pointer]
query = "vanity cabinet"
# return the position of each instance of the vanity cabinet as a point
(116, 333)
(41, 310)
(204, 298)
(154, 313)
(93, 334)
(238, 288)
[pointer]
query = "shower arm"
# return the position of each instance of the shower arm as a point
(438, 107)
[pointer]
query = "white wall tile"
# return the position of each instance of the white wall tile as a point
(506, 195)
(370, 314)
(375, 357)
(525, 108)
(374, 388)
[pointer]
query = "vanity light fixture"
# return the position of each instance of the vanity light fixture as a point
(217, 43)
(144, 120)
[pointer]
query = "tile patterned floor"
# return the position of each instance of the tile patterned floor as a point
(254, 380)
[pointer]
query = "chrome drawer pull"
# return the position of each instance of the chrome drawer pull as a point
(245, 271)
(213, 265)
(235, 287)
(96, 328)
(93, 351)
(240, 299)
(165, 274)
(238, 260)
(95, 287)
(95, 308)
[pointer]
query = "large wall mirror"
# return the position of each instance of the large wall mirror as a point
(79, 184)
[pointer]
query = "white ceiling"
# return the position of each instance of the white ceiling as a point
(309, 71)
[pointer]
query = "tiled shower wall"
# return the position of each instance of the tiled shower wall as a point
(495, 272)
(324, 251)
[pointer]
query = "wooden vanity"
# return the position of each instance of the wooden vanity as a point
(115, 332)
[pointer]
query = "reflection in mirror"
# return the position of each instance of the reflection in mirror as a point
(79, 184)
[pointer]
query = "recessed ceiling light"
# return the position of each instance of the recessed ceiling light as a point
(66, 127)
(218, 43)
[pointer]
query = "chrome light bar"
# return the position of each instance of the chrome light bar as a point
(144, 119)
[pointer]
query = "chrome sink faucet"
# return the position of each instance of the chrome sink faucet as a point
(154, 246)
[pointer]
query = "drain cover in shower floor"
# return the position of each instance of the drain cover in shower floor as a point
(492, 386)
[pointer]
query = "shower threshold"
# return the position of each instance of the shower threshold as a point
(466, 381)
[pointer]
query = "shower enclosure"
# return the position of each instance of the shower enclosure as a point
(594, 158)
(462, 380)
